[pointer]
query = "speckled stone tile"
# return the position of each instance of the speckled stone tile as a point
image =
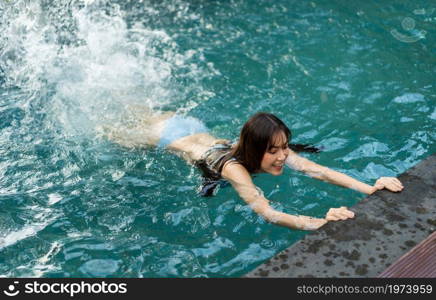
(386, 226)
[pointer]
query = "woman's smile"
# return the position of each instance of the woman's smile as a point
(278, 168)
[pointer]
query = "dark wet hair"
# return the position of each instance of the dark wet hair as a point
(256, 138)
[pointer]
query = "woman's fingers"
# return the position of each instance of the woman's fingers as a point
(336, 214)
(349, 214)
(394, 185)
(398, 181)
(395, 181)
(398, 186)
(336, 217)
(390, 183)
(343, 211)
(343, 216)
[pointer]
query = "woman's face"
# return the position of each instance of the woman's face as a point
(274, 158)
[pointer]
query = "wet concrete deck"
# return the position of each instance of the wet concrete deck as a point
(387, 225)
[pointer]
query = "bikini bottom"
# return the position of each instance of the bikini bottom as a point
(179, 126)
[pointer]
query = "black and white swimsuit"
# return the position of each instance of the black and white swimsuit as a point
(211, 166)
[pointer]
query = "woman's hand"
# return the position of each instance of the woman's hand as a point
(336, 214)
(390, 183)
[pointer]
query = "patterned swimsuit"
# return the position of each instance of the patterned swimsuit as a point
(211, 165)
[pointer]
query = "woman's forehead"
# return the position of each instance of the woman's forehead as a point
(278, 139)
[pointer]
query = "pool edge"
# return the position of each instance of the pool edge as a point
(387, 225)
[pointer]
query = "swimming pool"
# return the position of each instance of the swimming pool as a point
(354, 78)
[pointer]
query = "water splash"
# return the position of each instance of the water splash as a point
(87, 62)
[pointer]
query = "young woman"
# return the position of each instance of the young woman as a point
(263, 147)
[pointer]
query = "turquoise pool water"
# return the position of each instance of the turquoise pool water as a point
(355, 78)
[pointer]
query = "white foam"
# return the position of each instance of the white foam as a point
(54, 198)
(42, 265)
(16, 236)
(116, 175)
(409, 98)
(42, 218)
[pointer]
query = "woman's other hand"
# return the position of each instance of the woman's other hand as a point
(336, 214)
(390, 183)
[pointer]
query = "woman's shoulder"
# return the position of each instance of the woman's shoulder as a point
(233, 169)
(230, 162)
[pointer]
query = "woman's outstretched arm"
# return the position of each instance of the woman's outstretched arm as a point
(317, 171)
(241, 181)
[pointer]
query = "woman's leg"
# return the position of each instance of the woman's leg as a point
(140, 127)
(143, 127)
